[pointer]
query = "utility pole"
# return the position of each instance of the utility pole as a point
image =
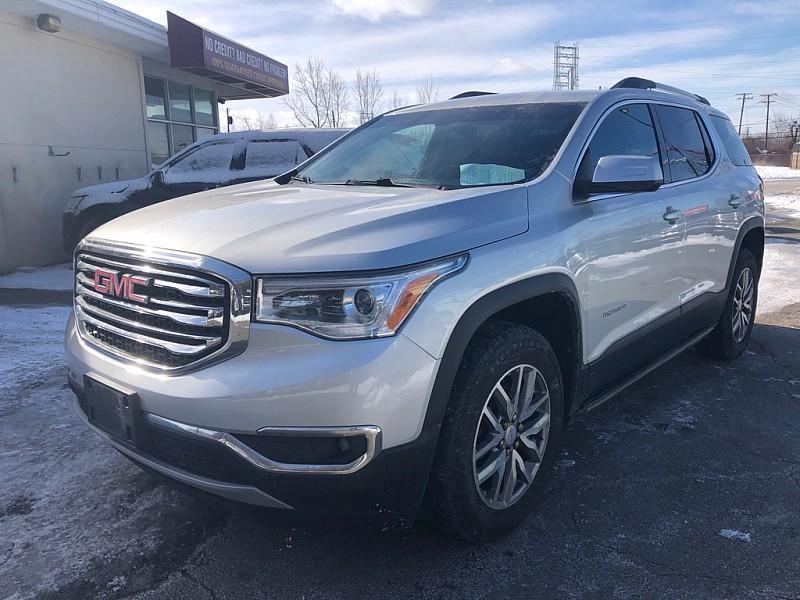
(228, 115)
(565, 67)
(744, 96)
(768, 98)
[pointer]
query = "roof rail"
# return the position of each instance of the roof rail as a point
(646, 84)
(470, 95)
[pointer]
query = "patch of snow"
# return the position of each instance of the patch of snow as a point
(777, 287)
(54, 277)
(733, 534)
(787, 204)
(68, 502)
(777, 172)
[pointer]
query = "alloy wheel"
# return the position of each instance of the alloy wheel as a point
(511, 436)
(742, 312)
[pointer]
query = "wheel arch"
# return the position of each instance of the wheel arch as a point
(520, 302)
(750, 236)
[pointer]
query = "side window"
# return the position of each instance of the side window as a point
(732, 142)
(268, 158)
(208, 163)
(626, 131)
(687, 153)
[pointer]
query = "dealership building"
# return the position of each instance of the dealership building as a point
(94, 94)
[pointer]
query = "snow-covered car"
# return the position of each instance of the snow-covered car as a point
(221, 160)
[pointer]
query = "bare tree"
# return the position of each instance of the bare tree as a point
(427, 92)
(255, 122)
(369, 93)
(309, 98)
(336, 98)
(396, 101)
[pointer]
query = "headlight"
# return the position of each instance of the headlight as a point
(349, 306)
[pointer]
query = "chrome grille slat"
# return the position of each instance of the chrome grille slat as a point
(103, 314)
(133, 266)
(163, 310)
(214, 318)
(173, 347)
(89, 284)
(215, 291)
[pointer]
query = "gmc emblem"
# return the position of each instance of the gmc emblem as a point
(121, 285)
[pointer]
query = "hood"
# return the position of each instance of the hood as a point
(264, 227)
(114, 191)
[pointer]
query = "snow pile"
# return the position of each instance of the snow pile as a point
(788, 205)
(55, 277)
(777, 286)
(777, 172)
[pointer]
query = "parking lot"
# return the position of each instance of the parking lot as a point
(687, 485)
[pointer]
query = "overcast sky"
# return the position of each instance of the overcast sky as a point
(716, 49)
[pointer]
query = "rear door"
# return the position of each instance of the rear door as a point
(634, 245)
(706, 189)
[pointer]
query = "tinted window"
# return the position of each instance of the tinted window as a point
(732, 142)
(687, 153)
(208, 163)
(204, 107)
(180, 107)
(159, 142)
(450, 148)
(156, 102)
(626, 131)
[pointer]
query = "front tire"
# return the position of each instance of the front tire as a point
(735, 326)
(501, 432)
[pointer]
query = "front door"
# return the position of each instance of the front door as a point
(634, 251)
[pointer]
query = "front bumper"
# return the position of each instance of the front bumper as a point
(205, 429)
(385, 493)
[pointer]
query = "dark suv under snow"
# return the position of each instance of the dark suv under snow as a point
(217, 161)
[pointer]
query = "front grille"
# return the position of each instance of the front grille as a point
(168, 317)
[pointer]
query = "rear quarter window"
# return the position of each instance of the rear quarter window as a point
(732, 142)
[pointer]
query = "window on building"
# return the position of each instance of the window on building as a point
(181, 137)
(159, 142)
(156, 98)
(177, 116)
(180, 104)
(204, 107)
(687, 152)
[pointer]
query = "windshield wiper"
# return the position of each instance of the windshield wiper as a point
(382, 182)
(302, 178)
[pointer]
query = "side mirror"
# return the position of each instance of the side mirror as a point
(624, 174)
(158, 178)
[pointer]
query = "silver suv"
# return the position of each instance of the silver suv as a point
(412, 315)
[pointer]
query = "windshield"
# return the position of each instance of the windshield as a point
(448, 148)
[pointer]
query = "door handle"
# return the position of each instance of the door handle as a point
(735, 201)
(672, 215)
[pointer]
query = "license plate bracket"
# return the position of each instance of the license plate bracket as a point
(113, 411)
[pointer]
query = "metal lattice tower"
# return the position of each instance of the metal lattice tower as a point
(565, 67)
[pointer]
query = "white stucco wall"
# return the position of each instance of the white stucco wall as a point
(77, 95)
